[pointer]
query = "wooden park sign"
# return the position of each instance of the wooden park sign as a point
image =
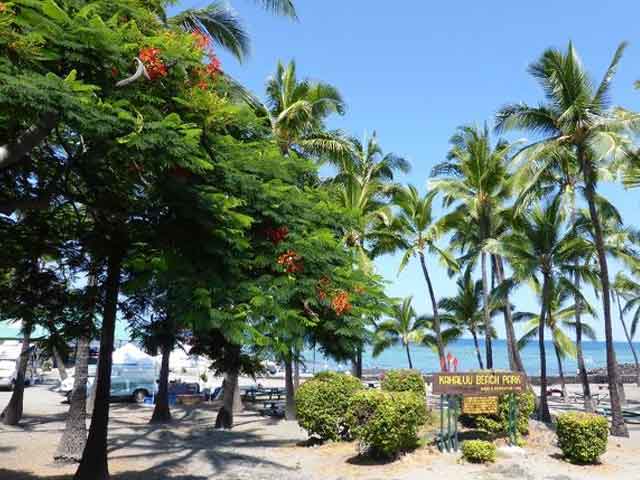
(478, 384)
(479, 405)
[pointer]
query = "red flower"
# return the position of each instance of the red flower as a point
(214, 65)
(202, 41)
(340, 303)
(277, 235)
(114, 72)
(152, 62)
(291, 262)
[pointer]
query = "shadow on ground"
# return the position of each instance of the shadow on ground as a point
(152, 474)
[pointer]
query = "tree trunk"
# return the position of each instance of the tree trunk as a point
(409, 356)
(161, 411)
(485, 308)
(93, 465)
(356, 364)
(74, 436)
(290, 408)
(560, 372)
(296, 372)
(237, 398)
(543, 413)
(589, 406)
(62, 371)
(475, 343)
(229, 387)
(618, 426)
(32, 137)
(434, 307)
(629, 340)
(13, 411)
(515, 360)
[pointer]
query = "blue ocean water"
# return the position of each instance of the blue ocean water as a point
(426, 360)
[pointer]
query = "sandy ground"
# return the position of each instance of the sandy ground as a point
(262, 448)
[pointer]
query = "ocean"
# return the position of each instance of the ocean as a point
(426, 360)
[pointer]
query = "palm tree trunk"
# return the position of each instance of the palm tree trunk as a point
(487, 316)
(290, 408)
(543, 413)
(74, 436)
(589, 406)
(563, 384)
(93, 465)
(477, 346)
(62, 371)
(408, 356)
(629, 340)
(161, 411)
(618, 426)
(515, 360)
(434, 306)
(12, 413)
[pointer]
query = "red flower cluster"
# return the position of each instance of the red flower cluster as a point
(277, 235)
(152, 62)
(323, 285)
(291, 262)
(202, 41)
(213, 68)
(340, 303)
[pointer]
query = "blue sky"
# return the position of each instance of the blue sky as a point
(415, 70)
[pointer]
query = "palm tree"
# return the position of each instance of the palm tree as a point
(559, 317)
(364, 184)
(629, 290)
(465, 309)
(413, 230)
(297, 110)
(402, 329)
(222, 25)
(577, 115)
(540, 251)
(475, 178)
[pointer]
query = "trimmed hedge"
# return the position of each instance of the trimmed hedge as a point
(322, 402)
(386, 423)
(403, 380)
(498, 423)
(582, 437)
(478, 451)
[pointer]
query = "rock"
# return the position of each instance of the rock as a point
(511, 451)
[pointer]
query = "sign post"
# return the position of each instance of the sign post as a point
(479, 393)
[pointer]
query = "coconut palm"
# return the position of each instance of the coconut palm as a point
(577, 114)
(465, 309)
(297, 110)
(475, 179)
(223, 26)
(560, 317)
(402, 329)
(629, 290)
(412, 230)
(540, 250)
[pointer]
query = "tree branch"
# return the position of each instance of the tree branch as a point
(12, 153)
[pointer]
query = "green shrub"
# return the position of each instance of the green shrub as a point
(582, 437)
(322, 402)
(478, 451)
(499, 423)
(403, 381)
(386, 423)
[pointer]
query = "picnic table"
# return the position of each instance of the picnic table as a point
(253, 394)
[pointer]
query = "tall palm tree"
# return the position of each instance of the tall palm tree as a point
(364, 185)
(559, 318)
(413, 230)
(542, 251)
(475, 179)
(465, 309)
(297, 110)
(578, 115)
(402, 329)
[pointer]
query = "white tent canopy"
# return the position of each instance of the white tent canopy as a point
(129, 354)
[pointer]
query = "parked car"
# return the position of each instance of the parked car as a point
(9, 355)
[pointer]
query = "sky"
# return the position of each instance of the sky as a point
(414, 70)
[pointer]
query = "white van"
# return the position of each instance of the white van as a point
(9, 355)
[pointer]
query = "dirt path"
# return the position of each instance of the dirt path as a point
(262, 448)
